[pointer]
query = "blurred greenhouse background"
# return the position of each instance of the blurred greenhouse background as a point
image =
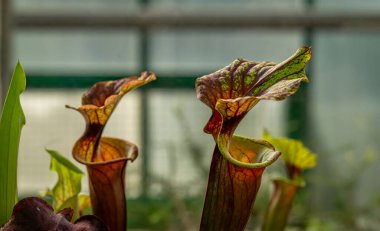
(67, 45)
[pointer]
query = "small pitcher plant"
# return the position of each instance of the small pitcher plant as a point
(297, 158)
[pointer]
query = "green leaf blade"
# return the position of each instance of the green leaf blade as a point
(11, 123)
(65, 192)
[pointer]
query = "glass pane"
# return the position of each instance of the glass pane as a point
(77, 51)
(50, 125)
(346, 119)
(200, 51)
(242, 4)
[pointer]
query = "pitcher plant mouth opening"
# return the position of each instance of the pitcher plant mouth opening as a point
(256, 153)
(239, 162)
(106, 157)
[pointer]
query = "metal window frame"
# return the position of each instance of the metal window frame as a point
(5, 44)
(199, 18)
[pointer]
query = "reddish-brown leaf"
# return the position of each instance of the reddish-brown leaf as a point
(34, 214)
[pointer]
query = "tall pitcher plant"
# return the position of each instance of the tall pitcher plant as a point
(104, 157)
(239, 162)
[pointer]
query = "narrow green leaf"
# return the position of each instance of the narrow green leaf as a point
(11, 123)
(68, 186)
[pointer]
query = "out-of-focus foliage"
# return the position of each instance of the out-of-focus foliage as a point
(65, 193)
(346, 210)
(163, 213)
